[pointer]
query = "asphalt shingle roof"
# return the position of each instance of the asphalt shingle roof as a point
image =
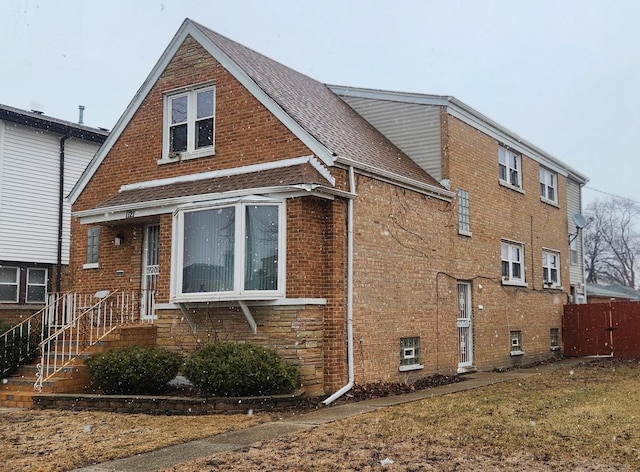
(321, 112)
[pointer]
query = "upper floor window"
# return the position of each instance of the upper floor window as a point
(573, 250)
(9, 283)
(189, 123)
(230, 252)
(93, 246)
(464, 218)
(510, 165)
(548, 185)
(551, 268)
(512, 255)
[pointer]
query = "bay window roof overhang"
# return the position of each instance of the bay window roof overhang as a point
(144, 199)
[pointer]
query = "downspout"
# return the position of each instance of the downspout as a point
(60, 214)
(349, 385)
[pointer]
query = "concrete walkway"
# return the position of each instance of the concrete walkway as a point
(236, 440)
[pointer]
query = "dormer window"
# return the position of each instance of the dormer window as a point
(189, 124)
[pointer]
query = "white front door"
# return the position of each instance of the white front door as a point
(465, 328)
(150, 271)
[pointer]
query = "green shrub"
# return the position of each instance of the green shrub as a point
(133, 370)
(232, 369)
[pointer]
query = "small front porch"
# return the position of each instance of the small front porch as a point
(51, 345)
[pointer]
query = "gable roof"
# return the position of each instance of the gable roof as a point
(331, 129)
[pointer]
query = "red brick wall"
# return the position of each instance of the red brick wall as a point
(497, 213)
(245, 133)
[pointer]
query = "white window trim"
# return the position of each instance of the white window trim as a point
(17, 285)
(190, 92)
(239, 293)
(544, 172)
(467, 198)
(519, 351)
(502, 151)
(546, 284)
(26, 292)
(416, 365)
(520, 282)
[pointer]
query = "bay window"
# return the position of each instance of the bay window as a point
(230, 251)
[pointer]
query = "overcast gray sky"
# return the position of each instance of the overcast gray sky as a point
(563, 74)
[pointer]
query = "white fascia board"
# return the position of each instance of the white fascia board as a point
(250, 169)
(482, 123)
(406, 182)
(188, 28)
(324, 154)
(468, 115)
(170, 205)
(133, 106)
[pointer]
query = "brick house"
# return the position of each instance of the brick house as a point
(41, 158)
(246, 201)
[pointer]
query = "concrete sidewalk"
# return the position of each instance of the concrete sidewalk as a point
(235, 440)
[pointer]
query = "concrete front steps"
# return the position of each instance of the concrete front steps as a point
(17, 391)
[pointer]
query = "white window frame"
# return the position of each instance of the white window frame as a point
(464, 213)
(191, 153)
(554, 334)
(515, 342)
(410, 354)
(551, 263)
(573, 250)
(238, 293)
(28, 284)
(93, 241)
(506, 255)
(509, 168)
(16, 284)
(548, 186)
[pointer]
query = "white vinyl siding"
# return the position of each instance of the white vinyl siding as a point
(413, 128)
(574, 206)
(30, 198)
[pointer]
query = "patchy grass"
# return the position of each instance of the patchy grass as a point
(584, 418)
(49, 440)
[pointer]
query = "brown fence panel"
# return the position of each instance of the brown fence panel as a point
(584, 330)
(601, 329)
(626, 329)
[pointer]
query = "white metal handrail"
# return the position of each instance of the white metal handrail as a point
(29, 330)
(78, 323)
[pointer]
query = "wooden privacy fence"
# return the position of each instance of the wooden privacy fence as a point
(602, 329)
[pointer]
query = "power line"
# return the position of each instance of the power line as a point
(611, 194)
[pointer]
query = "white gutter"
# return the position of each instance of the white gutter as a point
(349, 385)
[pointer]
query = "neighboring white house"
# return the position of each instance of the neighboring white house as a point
(41, 158)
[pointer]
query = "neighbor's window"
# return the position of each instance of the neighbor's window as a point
(231, 251)
(189, 123)
(573, 250)
(410, 353)
(510, 167)
(512, 255)
(516, 343)
(551, 268)
(93, 245)
(9, 282)
(464, 222)
(555, 339)
(36, 285)
(548, 185)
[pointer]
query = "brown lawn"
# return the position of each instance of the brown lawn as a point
(583, 419)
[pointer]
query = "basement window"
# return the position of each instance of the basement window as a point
(555, 339)
(410, 354)
(516, 343)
